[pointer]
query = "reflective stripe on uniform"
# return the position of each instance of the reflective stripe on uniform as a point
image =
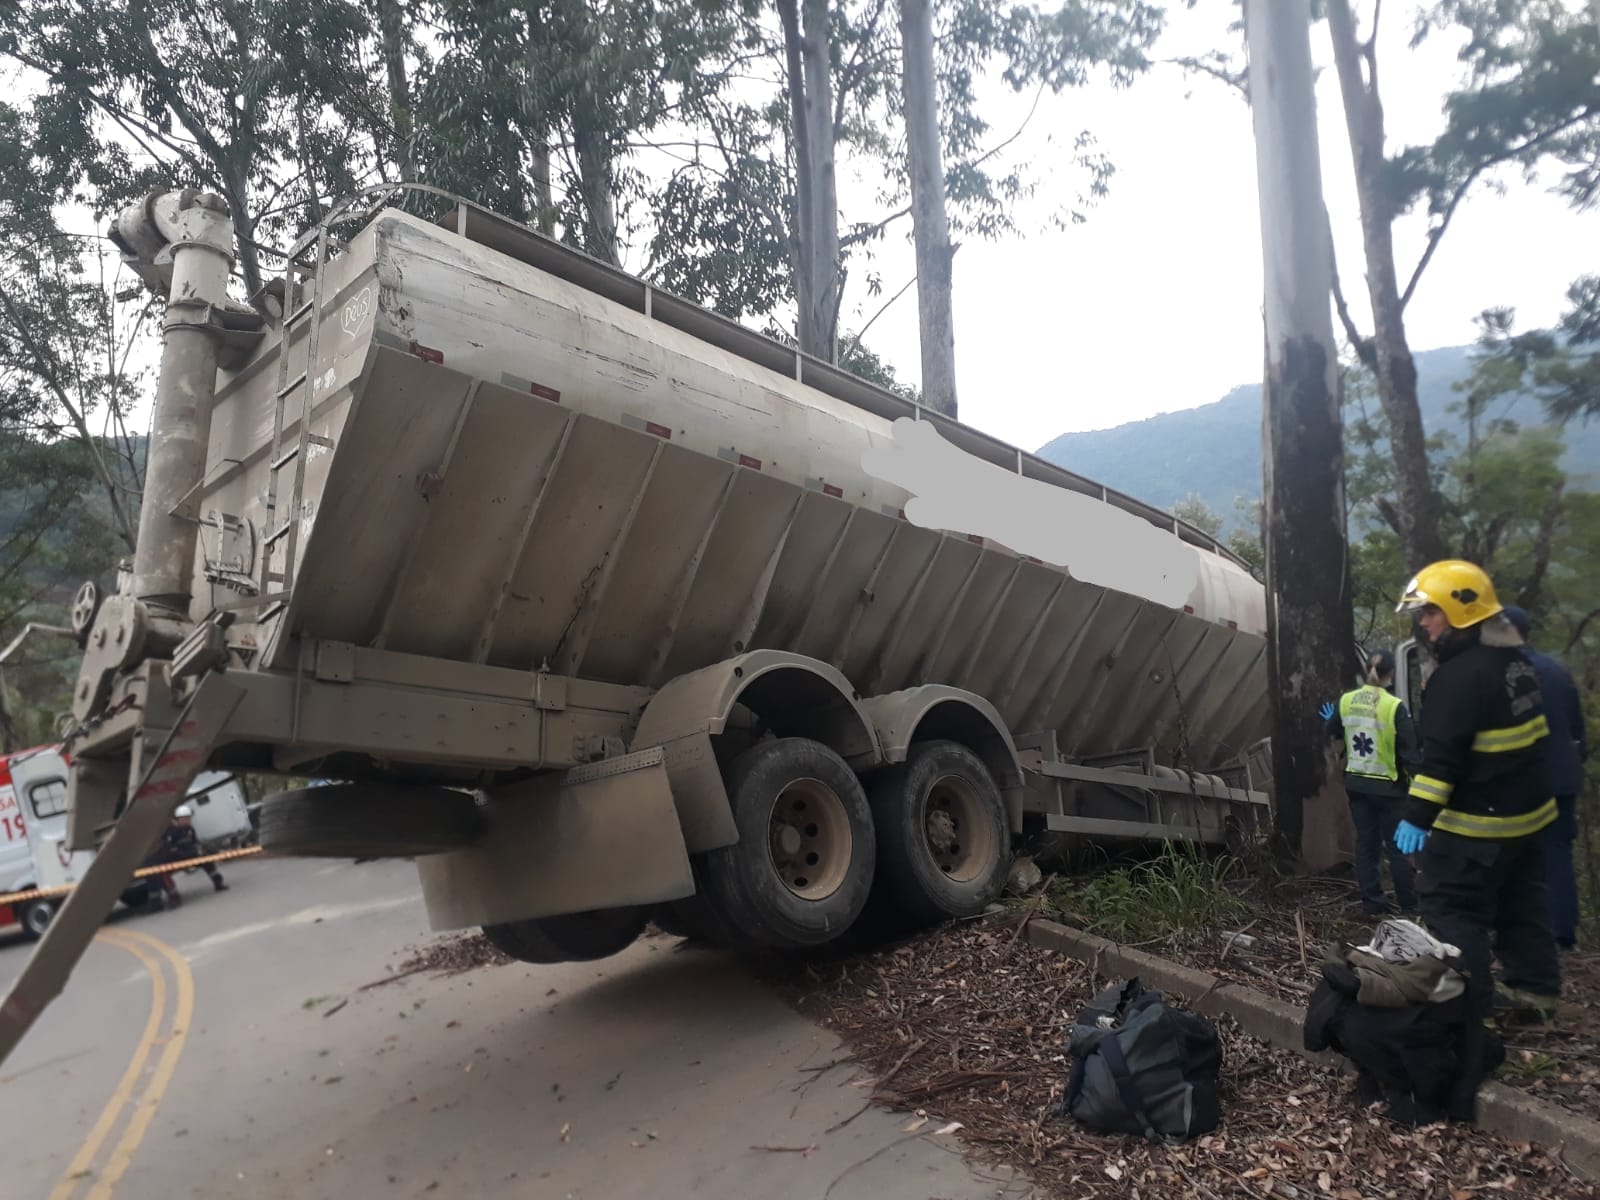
(1474, 825)
(1435, 791)
(1516, 737)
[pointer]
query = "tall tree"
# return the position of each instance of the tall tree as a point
(929, 223)
(1309, 628)
(1531, 95)
(1388, 350)
(394, 29)
(808, 44)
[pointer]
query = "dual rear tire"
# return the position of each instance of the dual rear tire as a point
(944, 841)
(816, 851)
(820, 856)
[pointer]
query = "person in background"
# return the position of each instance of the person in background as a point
(1479, 800)
(1380, 745)
(1566, 752)
(179, 843)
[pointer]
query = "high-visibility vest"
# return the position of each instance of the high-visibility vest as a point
(1368, 718)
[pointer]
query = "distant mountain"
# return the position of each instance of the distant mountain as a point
(1215, 451)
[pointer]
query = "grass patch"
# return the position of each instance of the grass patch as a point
(1182, 889)
(1527, 1066)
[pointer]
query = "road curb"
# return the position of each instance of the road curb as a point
(1502, 1110)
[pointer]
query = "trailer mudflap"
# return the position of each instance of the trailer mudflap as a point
(602, 835)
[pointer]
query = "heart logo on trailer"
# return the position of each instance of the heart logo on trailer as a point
(356, 311)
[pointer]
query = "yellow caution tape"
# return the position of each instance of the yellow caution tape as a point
(141, 873)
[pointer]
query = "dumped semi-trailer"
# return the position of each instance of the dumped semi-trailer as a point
(605, 608)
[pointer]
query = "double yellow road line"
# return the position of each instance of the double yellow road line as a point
(91, 1175)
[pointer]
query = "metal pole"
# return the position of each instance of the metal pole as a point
(1309, 621)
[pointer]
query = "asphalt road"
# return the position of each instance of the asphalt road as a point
(203, 1052)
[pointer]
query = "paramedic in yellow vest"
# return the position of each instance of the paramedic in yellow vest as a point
(1380, 747)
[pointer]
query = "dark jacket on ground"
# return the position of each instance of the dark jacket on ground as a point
(1483, 740)
(1566, 748)
(1425, 1060)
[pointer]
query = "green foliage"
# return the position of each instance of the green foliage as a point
(1531, 94)
(69, 469)
(1193, 510)
(721, 233)
(1561, 366)
(1184, 889)
(264, 101)
(534, 109)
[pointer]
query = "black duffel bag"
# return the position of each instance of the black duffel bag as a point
(1141, 1067)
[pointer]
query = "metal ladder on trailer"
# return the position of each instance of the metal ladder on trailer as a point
(282, 537)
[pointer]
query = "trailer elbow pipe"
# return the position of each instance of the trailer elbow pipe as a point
(181, 245)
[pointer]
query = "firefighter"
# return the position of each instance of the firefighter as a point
(1480, 799)
(1380, 751)
(179, 843)
(1566, 752)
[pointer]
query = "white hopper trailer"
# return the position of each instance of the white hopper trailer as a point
(605, 608)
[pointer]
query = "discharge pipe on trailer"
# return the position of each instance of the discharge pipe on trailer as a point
(180, 244)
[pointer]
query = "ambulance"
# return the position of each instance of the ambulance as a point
(33, 827)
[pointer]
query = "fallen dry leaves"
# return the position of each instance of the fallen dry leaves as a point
(969, 1024)
(455, 954)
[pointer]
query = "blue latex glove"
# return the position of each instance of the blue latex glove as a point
(1408, 838)
(1326, 712)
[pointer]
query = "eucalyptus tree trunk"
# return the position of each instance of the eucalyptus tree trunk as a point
(929, 223)
(1310, 631)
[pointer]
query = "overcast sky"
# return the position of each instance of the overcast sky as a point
(1155, 303)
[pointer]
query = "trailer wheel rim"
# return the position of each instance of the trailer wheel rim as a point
(809, 839)
(959, 839)
(38, 917)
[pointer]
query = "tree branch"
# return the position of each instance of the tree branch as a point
(1387, 510)
(1577, 632)
(1238, 80)
(862, 332)
(25, 333)
(1365, 350)
(1436, 232)
(864, 233)
(1021, 129)
(1528, 598)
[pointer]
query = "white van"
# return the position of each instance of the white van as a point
(33, 828)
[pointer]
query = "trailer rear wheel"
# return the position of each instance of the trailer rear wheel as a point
(695, 918)
(944, 844)
(35, 917)
(802, 869)
(570, 937)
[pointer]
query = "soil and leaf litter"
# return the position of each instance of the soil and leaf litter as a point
(964, 1028)
(969, 1023)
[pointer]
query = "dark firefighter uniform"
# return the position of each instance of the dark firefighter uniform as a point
(1481, 789)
